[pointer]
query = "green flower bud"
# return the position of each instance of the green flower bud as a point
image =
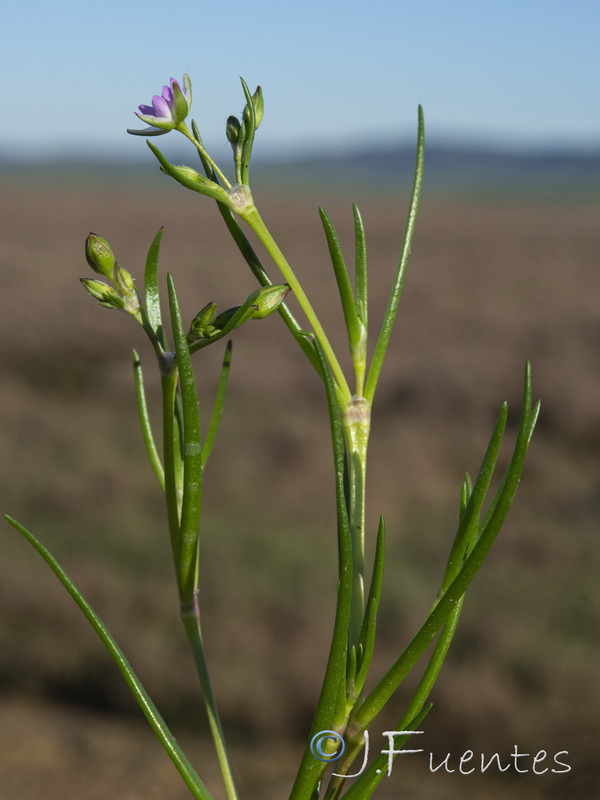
(232, 130)
(201, 326)
(268, 299)
(221, 320)
(99, 255)
(105, 295)
(259, 105)
(124, 280)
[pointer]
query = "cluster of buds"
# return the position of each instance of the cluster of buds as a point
(260, 304)
(122, 294)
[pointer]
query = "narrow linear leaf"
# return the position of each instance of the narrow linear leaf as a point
(150, 711)
(142, 406)
(218, 407)
(441, 611)
(360, 267)
(392, 309)
(502, 502)
(192, 455)
(468, 527)
(342, 279)
(151, 290)
(367, 635)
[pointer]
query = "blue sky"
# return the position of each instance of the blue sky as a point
(334, 73)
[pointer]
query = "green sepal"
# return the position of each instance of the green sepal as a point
(99, 255)
(258, 101)
(201, 326)
(267, 299)
(232, 130)
(182, 107)
(104, 294)
(249, 126)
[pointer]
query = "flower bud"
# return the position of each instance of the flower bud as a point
(259, 107)
(268, 300)
(232, 130)
(201, 326)
(221, 320)
(99, 255)
(124, 280)
(105, 295)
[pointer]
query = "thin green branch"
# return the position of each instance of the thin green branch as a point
(145, 423)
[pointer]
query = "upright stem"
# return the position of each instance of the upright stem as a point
(190, 613)
(252, 217)
(191, 623)
(356, 421)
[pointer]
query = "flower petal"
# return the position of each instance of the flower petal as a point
(161, 107)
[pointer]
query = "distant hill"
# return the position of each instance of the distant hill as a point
(466, 170)
(550, 174)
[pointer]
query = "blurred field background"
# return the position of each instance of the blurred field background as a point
(493, 281)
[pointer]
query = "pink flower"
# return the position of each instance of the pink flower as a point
(168, 110)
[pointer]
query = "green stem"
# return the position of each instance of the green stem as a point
(191, 622)
(182, 128)
(356, 420)
(250, 215)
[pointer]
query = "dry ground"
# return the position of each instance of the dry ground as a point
(489, 286)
